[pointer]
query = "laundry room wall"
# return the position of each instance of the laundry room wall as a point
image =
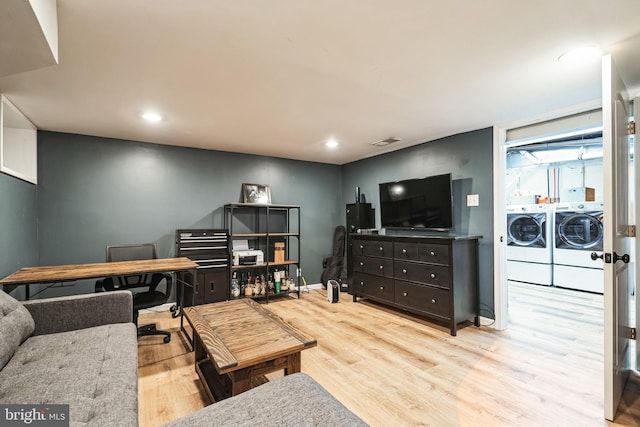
(525, 182)
(587, 173)
(551, 180)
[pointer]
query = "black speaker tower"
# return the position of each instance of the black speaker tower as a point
(359, 216)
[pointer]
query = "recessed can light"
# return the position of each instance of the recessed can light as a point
(331, 143)
(580, 54)
(152, 117)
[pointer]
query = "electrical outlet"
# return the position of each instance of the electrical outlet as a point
(473, 200)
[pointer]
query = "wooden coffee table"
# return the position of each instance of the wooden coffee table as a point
(237, 340)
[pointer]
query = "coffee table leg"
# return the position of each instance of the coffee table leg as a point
(240, 381)
(293, 364)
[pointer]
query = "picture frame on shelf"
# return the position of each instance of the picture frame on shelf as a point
(256, 193)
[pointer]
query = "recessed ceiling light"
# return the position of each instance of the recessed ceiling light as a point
(581, 54)
(331, 143)
(152, 117)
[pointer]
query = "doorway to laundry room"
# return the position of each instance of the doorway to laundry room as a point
(554, 194)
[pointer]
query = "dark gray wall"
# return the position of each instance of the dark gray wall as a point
(97, 191)
(18, 227)
(469, 158)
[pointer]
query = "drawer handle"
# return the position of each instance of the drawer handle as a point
(382, 288)
(404, 271)
(433, 275)
(432, 253)
(361, 263)
(361, 247)
(404, 294)
(382, 267)
(381, 248)
(404, 251)
(433, 300)
(361, 283)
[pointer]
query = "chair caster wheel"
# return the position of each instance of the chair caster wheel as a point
(166, 339)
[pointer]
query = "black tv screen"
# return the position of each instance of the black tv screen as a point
(422, 203)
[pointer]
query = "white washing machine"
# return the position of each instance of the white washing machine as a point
(578, 232)
(530, 244)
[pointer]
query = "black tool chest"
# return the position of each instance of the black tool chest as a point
(209, 248)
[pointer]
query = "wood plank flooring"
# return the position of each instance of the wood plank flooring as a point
(392, 368)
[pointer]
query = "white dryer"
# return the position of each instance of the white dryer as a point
(578, 232)
(529, 244)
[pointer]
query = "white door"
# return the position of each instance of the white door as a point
(615, 113)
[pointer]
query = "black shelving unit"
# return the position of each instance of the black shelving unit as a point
(264, 225)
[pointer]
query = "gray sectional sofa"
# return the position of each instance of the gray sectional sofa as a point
(82, 351)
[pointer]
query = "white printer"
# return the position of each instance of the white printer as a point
(242, 255)
(248, 257)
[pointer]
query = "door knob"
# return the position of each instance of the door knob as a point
(606, 257)
(595, 256)
(625, 258)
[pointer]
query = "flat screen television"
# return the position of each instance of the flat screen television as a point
(418, 204)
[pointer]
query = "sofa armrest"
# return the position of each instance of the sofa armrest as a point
(61, 314)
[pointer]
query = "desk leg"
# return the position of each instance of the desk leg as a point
(193, 303)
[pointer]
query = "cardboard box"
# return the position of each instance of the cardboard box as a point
(278, 252)
(579, 194)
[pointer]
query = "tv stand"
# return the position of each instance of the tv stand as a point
(431, 275)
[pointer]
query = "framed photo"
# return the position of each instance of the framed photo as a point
(256, 193)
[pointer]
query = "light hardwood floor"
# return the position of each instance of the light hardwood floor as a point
(391, 368)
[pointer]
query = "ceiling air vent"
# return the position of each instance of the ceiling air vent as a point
(386, 142)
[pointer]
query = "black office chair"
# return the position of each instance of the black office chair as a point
(147, 298)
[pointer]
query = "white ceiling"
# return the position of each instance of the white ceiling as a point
(278, 78)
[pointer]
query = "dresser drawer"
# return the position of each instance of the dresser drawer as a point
(373, 248)
(424, 273)
(430, 300)
(405, 251)
(373, 286)
(374, 266)
(434, 253)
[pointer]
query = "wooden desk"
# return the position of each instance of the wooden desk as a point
(71, 272)
(65, 273)
(240, 339)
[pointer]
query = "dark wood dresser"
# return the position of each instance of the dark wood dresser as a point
(432, 275)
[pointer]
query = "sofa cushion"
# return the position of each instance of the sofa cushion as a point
(294, 400)
(16, 325)
(94, 370)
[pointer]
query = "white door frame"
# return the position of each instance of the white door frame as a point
(500, 296)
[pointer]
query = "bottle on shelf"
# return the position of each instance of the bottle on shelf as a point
(270, 287)
(235, 287)
(286, 282)
(257, 289)
(248, 289)
(242, 284)
(277, 279)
